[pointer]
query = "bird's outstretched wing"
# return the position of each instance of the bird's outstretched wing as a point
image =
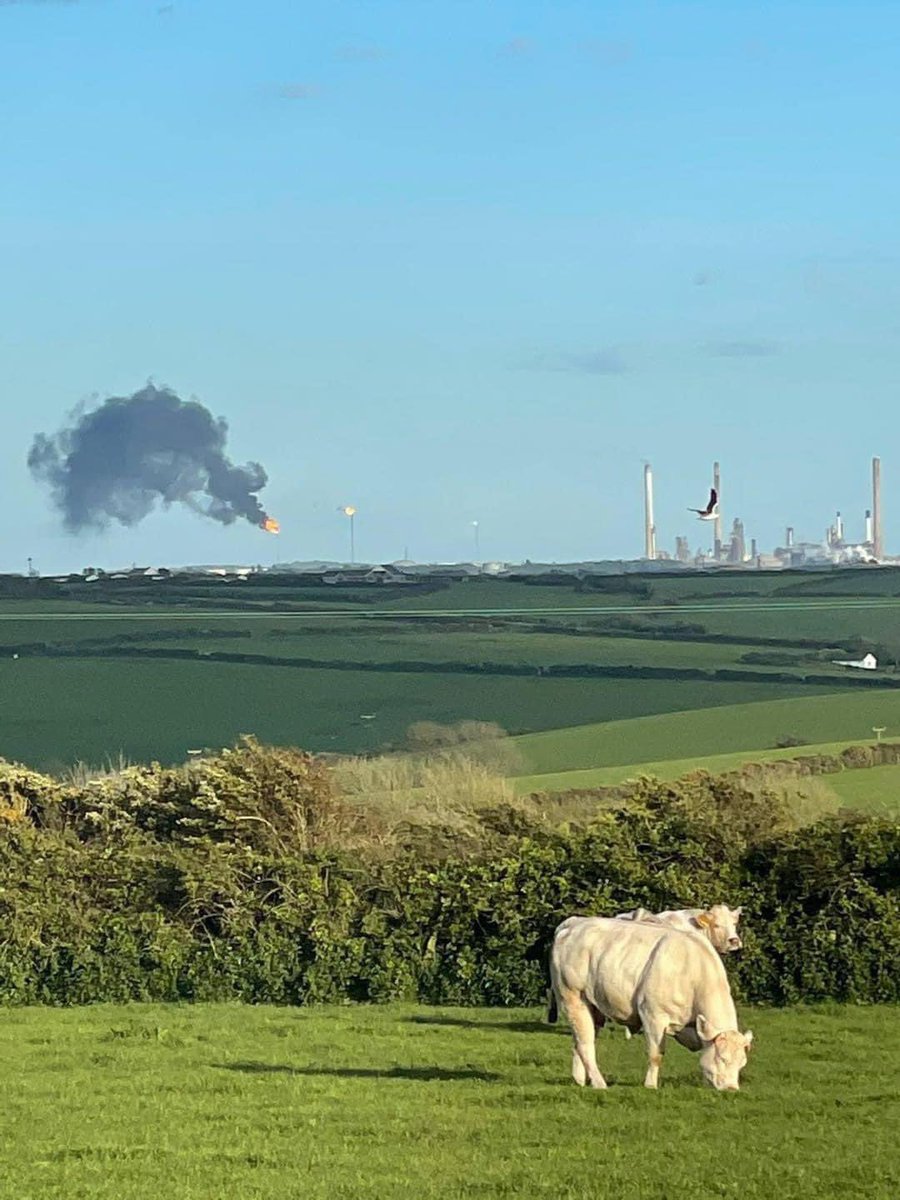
(713, 501)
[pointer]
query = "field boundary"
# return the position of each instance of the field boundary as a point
(425, 666)
(826, 758)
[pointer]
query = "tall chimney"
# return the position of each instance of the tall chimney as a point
(868, 537)
(789, 536)
(649, 527)
(717, 527)
(877, 533)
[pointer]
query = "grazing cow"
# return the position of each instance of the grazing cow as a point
(646, 975)
(719, 923)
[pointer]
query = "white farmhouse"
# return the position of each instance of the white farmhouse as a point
(867, 663)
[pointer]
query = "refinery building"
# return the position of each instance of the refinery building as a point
(734, 549)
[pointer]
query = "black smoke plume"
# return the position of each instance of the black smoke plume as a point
(115, 462)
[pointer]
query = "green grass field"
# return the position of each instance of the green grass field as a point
(875, 790)
(57, 711)
(725, 729)
(877, 623)
(206, 1102)
(675, 768)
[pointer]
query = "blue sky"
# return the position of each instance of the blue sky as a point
(456, 261)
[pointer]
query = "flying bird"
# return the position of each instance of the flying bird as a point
(711, 511)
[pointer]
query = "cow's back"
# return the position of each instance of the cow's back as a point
(603, 960)
(681, 918)
(684, 977)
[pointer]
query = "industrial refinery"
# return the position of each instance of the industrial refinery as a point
(736, 551)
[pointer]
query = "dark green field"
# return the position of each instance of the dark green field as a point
(54, 712)
(153, 670)
(206, 1102)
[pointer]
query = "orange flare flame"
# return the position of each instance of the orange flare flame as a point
(270, 525)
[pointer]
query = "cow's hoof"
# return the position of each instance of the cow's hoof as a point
(599, 1084)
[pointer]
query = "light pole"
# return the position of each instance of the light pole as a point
(878, 730)
(349, 511)
(477, 530)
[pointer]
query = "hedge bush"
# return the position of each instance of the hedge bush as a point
(158, 885)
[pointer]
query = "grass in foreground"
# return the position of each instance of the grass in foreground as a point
(212, 1101)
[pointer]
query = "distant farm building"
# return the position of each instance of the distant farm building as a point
(867, 663)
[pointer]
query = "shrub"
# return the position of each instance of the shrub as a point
(264, 797)
(858, 756)
(27, 795)
(243, 877)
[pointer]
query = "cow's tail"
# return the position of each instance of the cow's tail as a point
(552, 1009)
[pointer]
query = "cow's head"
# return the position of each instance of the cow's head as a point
(719, 923)
(724, 1055)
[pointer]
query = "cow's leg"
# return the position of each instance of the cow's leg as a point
(584, 1058)
(655, 1034)
(578, 1072)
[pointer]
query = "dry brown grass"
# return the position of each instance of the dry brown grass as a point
(804, 801)
(445, 795)
(397, 794)
(82, 773)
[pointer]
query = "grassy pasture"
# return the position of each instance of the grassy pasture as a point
(875, 790)
(380, 640)
(388, 643)
(53, 711)
(725, 729)
(198, 1103)
(877, 623)
(56, 711)
(675, 768)
(376, 641)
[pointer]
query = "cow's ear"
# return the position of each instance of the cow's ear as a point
(704, 920)
(736, 912)
(705, 1031)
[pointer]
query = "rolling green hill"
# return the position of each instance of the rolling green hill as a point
(56, 711)
(153, 669)
(675, 768)
(724, 729)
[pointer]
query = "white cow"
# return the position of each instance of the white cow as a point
(646, 975)
(718, 922)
